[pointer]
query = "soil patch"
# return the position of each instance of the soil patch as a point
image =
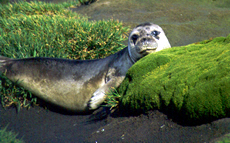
(40, 125)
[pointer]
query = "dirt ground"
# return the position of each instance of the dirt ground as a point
(184, 23)
(39, 125)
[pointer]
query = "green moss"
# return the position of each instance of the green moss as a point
(192, 81)
(223, 139)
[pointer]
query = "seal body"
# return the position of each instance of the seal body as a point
(81, 85)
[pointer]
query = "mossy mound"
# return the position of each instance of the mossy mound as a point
(191, 81)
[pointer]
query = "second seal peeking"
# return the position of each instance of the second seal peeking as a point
(81, 85)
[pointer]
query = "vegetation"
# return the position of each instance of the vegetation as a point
(38, 29)
(224, 139)
(112, 99)
(191, 82)
(8, 137)
(86, 2)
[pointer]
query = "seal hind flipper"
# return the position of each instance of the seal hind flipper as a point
(4, 58)
(3, 62)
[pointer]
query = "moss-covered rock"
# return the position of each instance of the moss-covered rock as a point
(191, 81)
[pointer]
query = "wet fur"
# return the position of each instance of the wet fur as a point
(67, 83)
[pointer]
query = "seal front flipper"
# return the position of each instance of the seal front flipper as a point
(97, 98)
(100, 94)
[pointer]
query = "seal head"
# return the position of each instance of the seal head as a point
(146, 38)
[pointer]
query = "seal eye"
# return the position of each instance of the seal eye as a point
(134, 38)
(155, 33)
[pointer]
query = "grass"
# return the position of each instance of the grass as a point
(112, 99)
(39, 29)
(191, 82)
(86, 2)
(8, 137)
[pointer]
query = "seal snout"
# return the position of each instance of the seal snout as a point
(146, 42)
(145, 45)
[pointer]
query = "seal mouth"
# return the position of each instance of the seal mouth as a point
(147, 51)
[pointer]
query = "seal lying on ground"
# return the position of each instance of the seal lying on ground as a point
(80, 85)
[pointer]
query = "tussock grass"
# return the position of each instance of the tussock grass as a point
(39, 29)
(8, 137)
(191, 81)
(112, 99)
(86, 2)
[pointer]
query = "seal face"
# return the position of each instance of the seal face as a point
(146, 38)
(80, 85)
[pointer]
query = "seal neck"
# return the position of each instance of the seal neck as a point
(129, 53)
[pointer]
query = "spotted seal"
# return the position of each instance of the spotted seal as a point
(80, 85)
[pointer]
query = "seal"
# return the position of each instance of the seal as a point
(81, 85)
